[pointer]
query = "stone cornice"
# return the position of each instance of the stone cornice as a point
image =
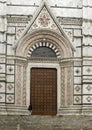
(61, 20)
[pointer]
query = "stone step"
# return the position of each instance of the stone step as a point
(69, 122)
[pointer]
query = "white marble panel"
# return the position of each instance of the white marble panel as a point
(10, 78)
(2, 48)
(77, 89)
(77, 71)
(1, 37)
(2, 9)
(87, 79)
(10, 69)
(10, 88)
(10, 39)
(21, 10)
(2, 68)
(23, 2)
(77, 80)
(87, 40)
(77, 52)
(87, 88)
(2, 75)
(10, 50)
(87, 70)
(10, 98)
(2, 78)
(87, 12)
(77, 100)
(2, 98)
(87, 2)
(87, 99)
(87, 51)
(2, 60)
(77, 32)
(2, 87)
(77, 42)
(10, 61)
(11, 30)
(64, 12)
(87, 62)
(68, 3)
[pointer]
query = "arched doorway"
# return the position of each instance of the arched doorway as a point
(46, 57)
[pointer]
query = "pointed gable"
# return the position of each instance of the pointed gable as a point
(44, 19)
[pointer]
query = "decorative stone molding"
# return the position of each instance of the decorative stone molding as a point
(71, 21)
(37, 36)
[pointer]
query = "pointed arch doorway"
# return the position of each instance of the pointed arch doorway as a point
(43, 91)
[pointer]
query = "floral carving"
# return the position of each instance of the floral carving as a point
(10, 87)
(10, 98)
(44, 20)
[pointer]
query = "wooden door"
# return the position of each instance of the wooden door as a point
(43, 91)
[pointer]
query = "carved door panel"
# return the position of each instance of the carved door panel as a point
(43, 91)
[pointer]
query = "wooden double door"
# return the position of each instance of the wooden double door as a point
(43, 91)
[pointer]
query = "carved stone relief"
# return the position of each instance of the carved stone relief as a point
(20, 83)
(44, 20)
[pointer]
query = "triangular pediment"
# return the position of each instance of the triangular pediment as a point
(44, 19)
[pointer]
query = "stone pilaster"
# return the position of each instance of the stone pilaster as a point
(87, 53)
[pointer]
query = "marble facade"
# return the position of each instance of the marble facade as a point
(61, 25)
